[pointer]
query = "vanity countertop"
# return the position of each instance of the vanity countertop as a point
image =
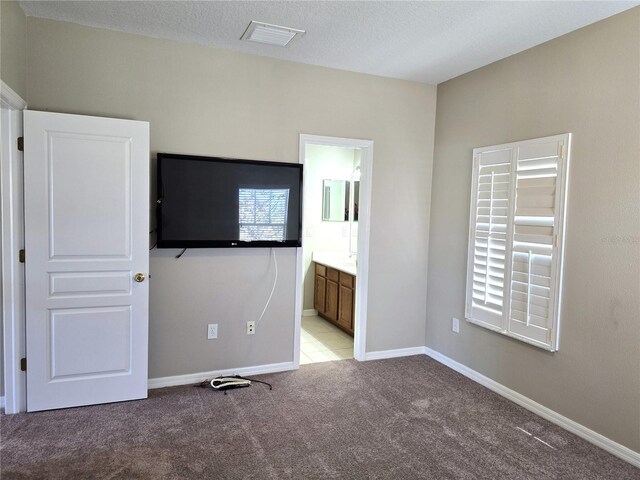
(339, 261)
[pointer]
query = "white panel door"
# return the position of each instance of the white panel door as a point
(86, 241)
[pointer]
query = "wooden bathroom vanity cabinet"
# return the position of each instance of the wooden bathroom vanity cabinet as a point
(334, 296)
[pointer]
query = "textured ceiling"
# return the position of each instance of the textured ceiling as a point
(425, 41)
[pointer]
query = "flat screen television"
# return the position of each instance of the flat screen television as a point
(222, 202)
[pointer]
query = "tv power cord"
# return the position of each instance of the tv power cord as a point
(225, 383)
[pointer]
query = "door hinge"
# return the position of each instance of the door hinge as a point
(23, 364)
(21, 144)
(21, 256)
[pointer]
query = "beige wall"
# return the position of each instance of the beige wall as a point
(13, 46)
(586, 83)
(216, 102)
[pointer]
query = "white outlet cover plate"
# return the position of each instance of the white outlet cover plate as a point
(455, 325)
(212, 331)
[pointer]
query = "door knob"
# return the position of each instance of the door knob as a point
(139, 277)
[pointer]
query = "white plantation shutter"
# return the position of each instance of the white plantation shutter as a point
(516, 238)
(534, 253)
(489, 218)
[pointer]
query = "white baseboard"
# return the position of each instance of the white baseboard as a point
(310, 313)
(581, 431)
(399, 352)
(193, 378)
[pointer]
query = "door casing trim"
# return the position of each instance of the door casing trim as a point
(364, 222)
(12, 230)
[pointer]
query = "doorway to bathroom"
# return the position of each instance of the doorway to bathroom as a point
(333, 262)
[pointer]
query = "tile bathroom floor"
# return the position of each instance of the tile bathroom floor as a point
(321, 341)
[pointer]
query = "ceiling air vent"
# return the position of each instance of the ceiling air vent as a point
(270, 34)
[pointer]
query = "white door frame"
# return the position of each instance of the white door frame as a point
(12, 221)
(362, 267)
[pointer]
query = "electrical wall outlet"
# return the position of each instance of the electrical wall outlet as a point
(212, 331)
(455, 325)
(251, 328)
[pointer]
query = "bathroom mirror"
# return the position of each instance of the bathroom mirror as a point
(335, 200)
